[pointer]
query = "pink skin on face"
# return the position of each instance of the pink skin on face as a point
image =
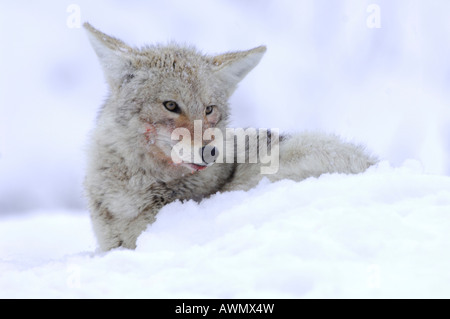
(150, 136)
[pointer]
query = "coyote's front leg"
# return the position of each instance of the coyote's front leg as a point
(114, 230)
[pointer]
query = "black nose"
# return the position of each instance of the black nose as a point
(209, 154)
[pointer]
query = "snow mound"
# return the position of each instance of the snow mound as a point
(381, 234)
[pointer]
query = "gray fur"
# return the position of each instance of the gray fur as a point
(130, 175)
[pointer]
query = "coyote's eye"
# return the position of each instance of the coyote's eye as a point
(209, 109)
(172, 106)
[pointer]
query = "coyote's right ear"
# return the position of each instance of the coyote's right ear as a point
(115, 56)
(232, 67)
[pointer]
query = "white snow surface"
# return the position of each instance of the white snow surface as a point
(380, 234)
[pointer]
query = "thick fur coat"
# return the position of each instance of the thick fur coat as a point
(154, 90)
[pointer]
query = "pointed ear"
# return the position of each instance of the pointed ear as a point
(115, 56)
(232, 67)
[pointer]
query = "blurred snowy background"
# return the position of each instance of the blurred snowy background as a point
(375, 72)
(329, 67)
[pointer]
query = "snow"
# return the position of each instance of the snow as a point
(380, 234)
(383, 233)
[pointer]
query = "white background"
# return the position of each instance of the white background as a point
(380, 234)
(325, 69)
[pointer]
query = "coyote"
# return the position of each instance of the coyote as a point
(153, 91)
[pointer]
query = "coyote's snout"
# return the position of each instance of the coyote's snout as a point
(162, 135)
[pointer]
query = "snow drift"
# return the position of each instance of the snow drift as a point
(380, 234)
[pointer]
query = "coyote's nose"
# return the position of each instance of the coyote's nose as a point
(209, 154)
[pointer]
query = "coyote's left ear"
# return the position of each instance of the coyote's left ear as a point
(232, 67)
(115, 56)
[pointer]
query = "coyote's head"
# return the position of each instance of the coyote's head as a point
(155, 90)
